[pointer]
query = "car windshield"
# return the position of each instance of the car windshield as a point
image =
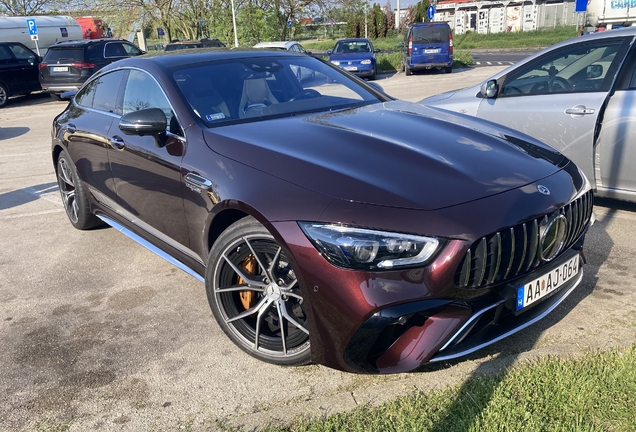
(352, 47)
(255, 89)
(64, 54)
(433, 34)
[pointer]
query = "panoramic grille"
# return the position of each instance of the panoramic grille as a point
(513, 251)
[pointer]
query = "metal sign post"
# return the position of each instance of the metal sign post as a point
(33, 31)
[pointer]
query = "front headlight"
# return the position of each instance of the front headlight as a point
(336, 62)
(367, 61)
(359, 248)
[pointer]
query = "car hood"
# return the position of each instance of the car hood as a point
(395, 154)
(350, 57)
(465, 101)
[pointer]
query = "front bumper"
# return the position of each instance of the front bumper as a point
(395, 321)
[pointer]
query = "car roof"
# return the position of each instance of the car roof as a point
(354, 40)
(275, 44)
(83, 42)
(183, 42)
(431, 24)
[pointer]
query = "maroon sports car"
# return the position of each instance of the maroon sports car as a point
(328, 221)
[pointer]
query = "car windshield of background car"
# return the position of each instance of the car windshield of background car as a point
(220, 92)
(435, 34)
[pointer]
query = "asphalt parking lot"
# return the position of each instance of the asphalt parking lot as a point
(100, 334)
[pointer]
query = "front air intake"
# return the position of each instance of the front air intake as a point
(514, 251)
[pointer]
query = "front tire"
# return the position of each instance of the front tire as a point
(73, 195)
(254, 295)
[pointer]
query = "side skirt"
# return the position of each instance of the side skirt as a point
(152, 248)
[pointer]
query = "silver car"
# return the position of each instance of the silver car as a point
(578, 96)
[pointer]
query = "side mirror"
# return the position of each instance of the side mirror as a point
(151, 121)
(594, 71)
(489, 89)
(401, 44)
(309, 53)
(329, 52)
(376, 86)
(377, 51)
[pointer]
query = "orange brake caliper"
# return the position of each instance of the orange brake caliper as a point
(248, 298)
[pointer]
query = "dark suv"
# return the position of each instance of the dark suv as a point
(18, 70)
(67, 65)
(427, 46)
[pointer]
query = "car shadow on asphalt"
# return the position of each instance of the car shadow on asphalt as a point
(26, 195)
(500, 357)
(35, 98)
(12, 132)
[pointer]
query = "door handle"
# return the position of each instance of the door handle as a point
(579, 110)
(71, 128)
(198, 181)
(117, 143)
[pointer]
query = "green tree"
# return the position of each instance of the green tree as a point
(420, 11)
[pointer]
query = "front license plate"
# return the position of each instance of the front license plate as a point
(431, 51)
(545, 285)
(351, 68)
(60, 68)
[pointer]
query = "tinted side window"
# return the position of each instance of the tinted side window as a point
(22, 53)
(131, 50)
(101, 93)
(86, 95)
(5, 55)
(142, 92)
(94, 52)
(115, 49)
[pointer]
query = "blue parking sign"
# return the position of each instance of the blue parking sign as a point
(430, 13)
(32, 26)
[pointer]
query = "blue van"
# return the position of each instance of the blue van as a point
(427, 46)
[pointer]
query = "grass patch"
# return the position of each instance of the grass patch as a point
(531, 39)
(595, 392)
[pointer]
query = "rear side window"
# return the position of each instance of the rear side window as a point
(64, 55)
(101, 93)
(94, 52)
(433, 34)
(5, 55)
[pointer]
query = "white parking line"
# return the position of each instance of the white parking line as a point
(22, 215)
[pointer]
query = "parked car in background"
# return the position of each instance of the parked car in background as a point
(186, 44)
(283, 45)
(292, 46)
(356, 56)
(212, 43)
(578, 96)
(321, 223)
(67, 65)
(427, 46)
(18, 71)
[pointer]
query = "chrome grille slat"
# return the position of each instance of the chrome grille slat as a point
(480, 261)
(534, 246)
(495, 258)
(514, 251)
(525, 247)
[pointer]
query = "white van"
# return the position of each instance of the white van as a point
(51, 29)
